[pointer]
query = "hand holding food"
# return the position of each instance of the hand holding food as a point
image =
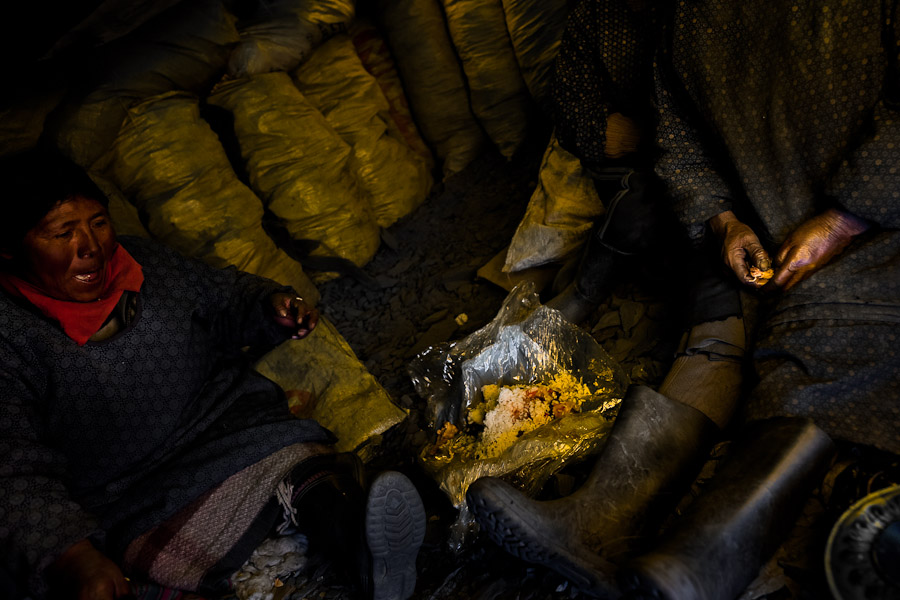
(741, 249)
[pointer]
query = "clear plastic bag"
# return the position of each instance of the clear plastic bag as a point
(525, 344)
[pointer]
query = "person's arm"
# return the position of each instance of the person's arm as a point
(39, 521)
(84, 573)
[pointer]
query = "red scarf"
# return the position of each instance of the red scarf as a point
(81, 320)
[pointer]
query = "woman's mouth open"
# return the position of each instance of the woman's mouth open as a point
(91, 277)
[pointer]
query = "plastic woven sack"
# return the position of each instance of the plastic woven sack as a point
(282, 33)
(499, 97)
(560, 213)
(170, 164)
(525, 344)
(377, 59)
(432, 76)
(324, 380)
(300, 166)
(535, 29)
(334, 80)
(182, 49)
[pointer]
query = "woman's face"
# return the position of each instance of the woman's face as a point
(67, 252)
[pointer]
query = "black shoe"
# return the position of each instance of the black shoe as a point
(737, 522)
(654, 450)
(395, 529)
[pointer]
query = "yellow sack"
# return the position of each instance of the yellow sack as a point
(559, 215)
(535, 29)
(282, 34)
(335, 81)
(433, 79)
(183, 49)
(170, 164)
(324, 380)
(377, 59)
(499, 97)
(299, 166)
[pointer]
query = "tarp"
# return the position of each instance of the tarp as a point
(560, 213)
(432, 77)
(535, 29)
(498, 94)
(282, 33)
(171, 165)
(299, 165)
(182, 49)
(377, 59)
(335, 81)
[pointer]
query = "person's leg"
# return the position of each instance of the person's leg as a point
(718, 546)
(373, 535)
(633, 224)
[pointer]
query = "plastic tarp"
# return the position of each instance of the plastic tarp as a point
(182, 49)
(500, 100)
(535, 29)
(22, 119)
(171, 165)
(300, 166)
(335, 81)
(432, 76)
(560, 213)
(324, 380)
(377, 59)
(282, 33)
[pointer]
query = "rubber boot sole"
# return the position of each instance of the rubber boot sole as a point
(586, 570)
(395, 530)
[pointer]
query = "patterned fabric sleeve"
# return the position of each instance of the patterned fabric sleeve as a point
(686, 165)
(867, 183)
(38, 519)
(235, 303)
(604, 65)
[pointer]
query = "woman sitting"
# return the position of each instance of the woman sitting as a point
(134, 437)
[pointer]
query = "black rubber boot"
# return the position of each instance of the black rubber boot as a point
(654, 450)
(630, 227)
(374, 537)
(716, 549)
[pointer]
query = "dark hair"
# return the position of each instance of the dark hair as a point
(32, 183)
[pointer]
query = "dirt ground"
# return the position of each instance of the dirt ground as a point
(412, 296)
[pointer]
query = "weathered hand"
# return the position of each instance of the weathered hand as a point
(293, 312)
(623, 136)
(813, 244)
(83, 573)
(741, 248)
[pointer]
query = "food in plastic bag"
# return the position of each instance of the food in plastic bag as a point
(560, 213)
(169, 163)
(433, 79)
(182, 49)
(560, 388)
(335, 81)
(324, 380)
(377, 59)
(299, 166)
(283, 33)
(535, 29)
(499, 97)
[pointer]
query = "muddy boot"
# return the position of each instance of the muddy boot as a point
(373, 538)
(718, 547)
(629, 228)
(654, 450)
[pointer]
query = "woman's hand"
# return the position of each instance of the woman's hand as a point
(813, 244)
(83, 573)
(293, 312)
(741, 248)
